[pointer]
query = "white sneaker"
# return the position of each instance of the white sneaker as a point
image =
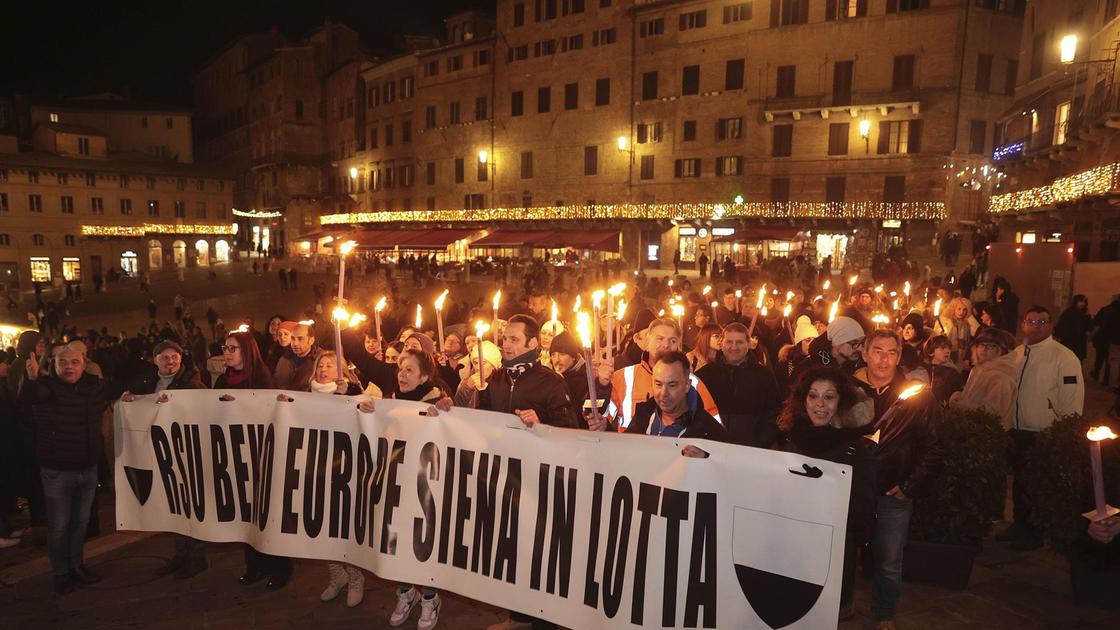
(8, 542)
(337, 581)
(356, 586)
(429, 612)
(405, 602)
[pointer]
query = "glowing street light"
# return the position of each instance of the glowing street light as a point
(623, 142)
(483, 156)
(1068, 49)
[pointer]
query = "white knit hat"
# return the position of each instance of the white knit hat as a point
(844, 329)
(805, 330)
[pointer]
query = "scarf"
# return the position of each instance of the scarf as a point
(817, 441)
(324, 388)
(518, 365)
(236, 377)
(418, 393)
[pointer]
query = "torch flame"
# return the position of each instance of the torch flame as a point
(661, 313)
(764, 311)
(827, 283)
(621, 309)
(678, 310)
(578, 304)
(242, 328)
(583, 328)
(786, 311)
(894, 305)
(307, 322)
(597, 298)
(911, 391)
(347, 247)
(340, 314)
(937, 307)
(441, 298)
(707, 289)
(419, 316)
(480, 329)
(906, 288)
(497, 299)
(617, 289)
(789, 295)
(738, 293)
(761, 294)
(817, 298)
(880, 318)
(715, 304)
(380, 306)
(554, 310)
(1097, 434)
(357, 319)
(852, 281)
(879, 289)
(832, 311)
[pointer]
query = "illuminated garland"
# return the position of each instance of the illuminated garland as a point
(126, 231)
(1095, 181)
(257, 214)
(793, 209)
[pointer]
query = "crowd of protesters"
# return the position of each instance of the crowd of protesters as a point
(790, 357)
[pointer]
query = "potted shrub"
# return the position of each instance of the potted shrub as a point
(1059, 481)
(970, 485)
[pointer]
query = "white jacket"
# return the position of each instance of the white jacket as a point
(1050, 385)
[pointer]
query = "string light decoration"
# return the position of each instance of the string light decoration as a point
(932, 210)
(1095, 181)
(127, 231)
(257, 214)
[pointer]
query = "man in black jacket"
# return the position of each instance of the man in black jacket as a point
(745, 392)
(674, 409)
(67, 406)
(171, 373)
(567, 360)
(523, 386)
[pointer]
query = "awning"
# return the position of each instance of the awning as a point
(316, 235)
(435, 239)
(382, 239)
(761, 233)
(598, 241)
(511, 238)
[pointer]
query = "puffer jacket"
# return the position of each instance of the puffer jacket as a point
(538, 388)
(68, 419)
(992, 386)
(187, 378)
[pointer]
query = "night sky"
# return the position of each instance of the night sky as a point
(152, 49)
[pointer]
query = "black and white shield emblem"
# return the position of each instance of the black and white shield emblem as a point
(140, 480)
(782, 564)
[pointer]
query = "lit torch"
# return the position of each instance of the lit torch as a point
(439, 316)
(1096, 435)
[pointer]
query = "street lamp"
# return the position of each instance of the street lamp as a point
(1068, 48)
(353, 172)
(623, 142)
(865, 133)
(483, 156)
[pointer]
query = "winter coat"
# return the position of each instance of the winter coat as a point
(1072, 330)
(748, 400)
(68, 419)
(698, 422)
(906, 451)
(633, 385)
(187, 378)
(294, 373)
(1050, 385)
(992, 387)
(537, 388)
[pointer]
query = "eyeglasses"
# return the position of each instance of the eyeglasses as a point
(990, 347)
(228, 348)
(1036, 322)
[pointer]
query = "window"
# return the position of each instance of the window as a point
(200, 209)
(983, 72)
(602, 92)
(431, 69)
(453, 113)
(71, 267)
(1011, 77)
(454, 63)
(180, 209)
(126, 207)
(519, 53)
(96, 205)
(38, 240)
(35, 203)
(517, 103)
(688, 167)
(790, 12)
(153, 207)
(737, 12)
(388, 135)
(373, 137)
(689, 131)
(406, 131)
(729, 128)
(591, 160)
(779, 190)
(604, 37)
(838, 138)
(32, 177)
(845, 9)
(221, 213)
(842, 83)
(299, 109)
(544, 100)
(646, 171)
(458, 170)
(894, 188)
(900, 136)
(40, 267)
(481, 108)
(651, 28)
(200, 185)
(690, 80)
(408, 87)
(577, 7)
(430, 174)
(151, 182)
(649, 132)
(572, 42)
(730, 165)
(834, 189)
(649, 85)
(389, 91)
(787, 82)
(54, 117)
(519, 14)
(694, 19)
(783, 141)
(481, 58)
(429, 119)
(408, 175)
(903, 75)
(906, 5)
(143, 122)
(571, 96)
(83, 146)
(978, 132)
(181, 184)
(3, 202)
(63, 178)
(733, 75)
(1038, 54)
(66, 204)
(5, 239)
(1061, 123)
(526, 165)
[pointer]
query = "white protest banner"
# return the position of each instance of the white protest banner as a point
(589, 530)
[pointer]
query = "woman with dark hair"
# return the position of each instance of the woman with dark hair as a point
(268, 340)
(826, 417)
(1006, 302)
(245, 369)
(1073, 326)
(945, 377)
(707, 345)
(991, 316)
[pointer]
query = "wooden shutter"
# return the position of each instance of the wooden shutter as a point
(775, 12)
(884, 138)
(892, 6)
(830, 10)
(914, 141)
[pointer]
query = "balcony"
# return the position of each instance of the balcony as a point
(853, 104)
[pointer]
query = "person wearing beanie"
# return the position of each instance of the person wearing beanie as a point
(470, 383)
(992, 383)
(549, 330)
(567, 361)
(789, 357)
